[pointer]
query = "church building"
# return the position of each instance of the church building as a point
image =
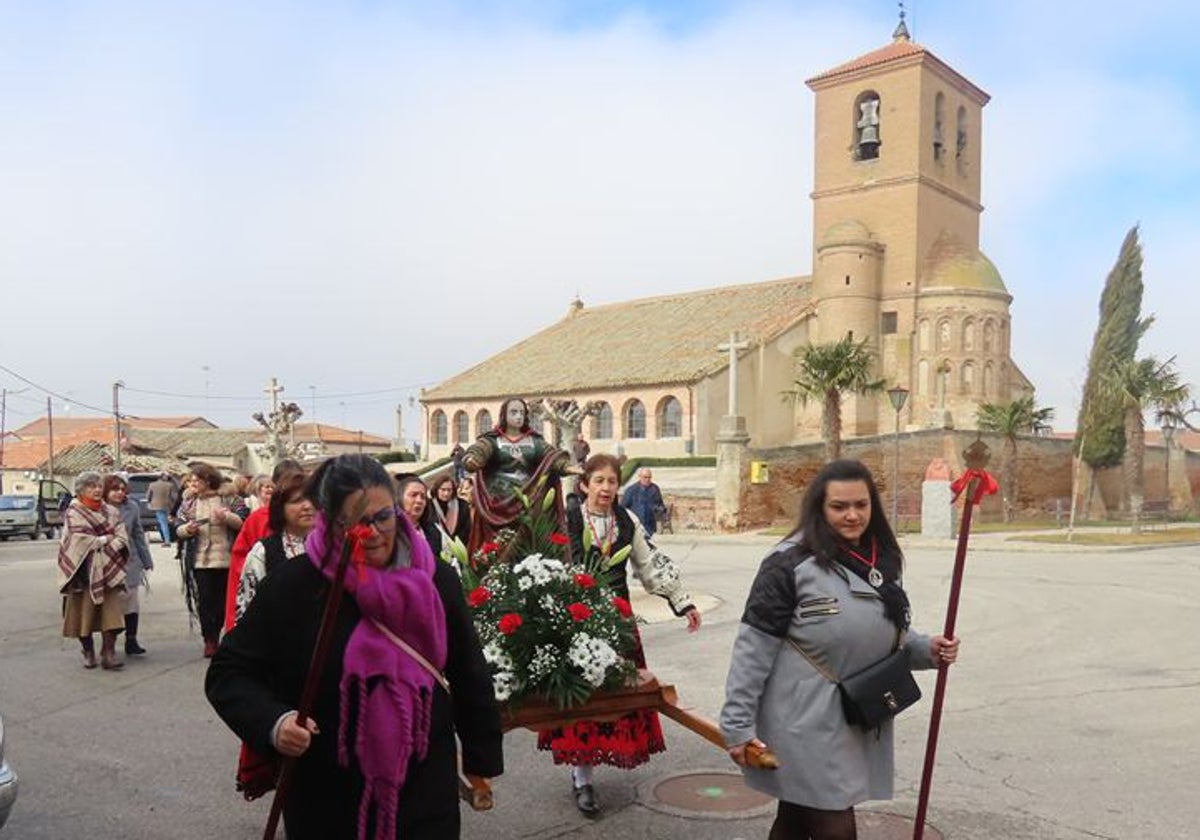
(896, 262)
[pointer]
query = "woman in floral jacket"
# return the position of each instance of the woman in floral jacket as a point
(630, 740)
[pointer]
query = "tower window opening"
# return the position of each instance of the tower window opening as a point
(888, 323)
(847, 279)
(939, 123)
(866, 126)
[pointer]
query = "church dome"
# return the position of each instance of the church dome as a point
(846, 232)
(951, 264)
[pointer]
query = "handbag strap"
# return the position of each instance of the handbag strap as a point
(821, 669)
(414, 653)
(817, 666)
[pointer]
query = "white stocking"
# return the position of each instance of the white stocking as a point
(581, 775)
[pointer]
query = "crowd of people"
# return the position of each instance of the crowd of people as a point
(405, 698)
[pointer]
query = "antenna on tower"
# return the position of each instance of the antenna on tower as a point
(901, 31)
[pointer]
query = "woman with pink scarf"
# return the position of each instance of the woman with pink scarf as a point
(378, 758)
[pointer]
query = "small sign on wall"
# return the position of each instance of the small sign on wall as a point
(759, 473)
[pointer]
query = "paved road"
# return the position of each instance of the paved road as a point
(1071, 715)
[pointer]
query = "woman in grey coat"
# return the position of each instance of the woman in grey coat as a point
(116, 493)
(831, 589)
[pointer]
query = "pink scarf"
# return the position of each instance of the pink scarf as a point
(392, 695)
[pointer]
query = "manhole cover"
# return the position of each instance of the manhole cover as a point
(710, 794)
(877, 825)
(719, 795)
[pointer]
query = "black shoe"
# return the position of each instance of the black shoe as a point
(585, 801)
(132, 648)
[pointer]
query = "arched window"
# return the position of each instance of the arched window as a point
(923, 333)
(939, 127)
(922, 385)
(483, 422)
(462, 429)
(989, 336)
(602, 423)
(635, 420)
(437, 427)
(669, 418)
(943, 335)
(968, 378)
(944, 372)
(969, 335)
(989, 381)
(960, 141)
(866, 126)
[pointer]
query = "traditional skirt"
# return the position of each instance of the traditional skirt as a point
(626, 742)
(83, 618)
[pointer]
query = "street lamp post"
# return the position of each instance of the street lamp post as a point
(898, 397)
(1168, 433)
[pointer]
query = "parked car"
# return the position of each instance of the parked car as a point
(22, 514)
(139, 485)
(8, 782)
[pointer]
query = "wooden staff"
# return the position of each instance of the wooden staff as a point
(308, 693)
(977, 483)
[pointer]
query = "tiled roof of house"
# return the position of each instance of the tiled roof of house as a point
(30, 454)
(336, 434)
(63, 425)
(93, 455)
(652, 341)
(195, 443)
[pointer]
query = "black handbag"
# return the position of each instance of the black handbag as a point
(880, 691)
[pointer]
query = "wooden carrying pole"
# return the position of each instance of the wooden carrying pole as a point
(977, 484)
(308, 694)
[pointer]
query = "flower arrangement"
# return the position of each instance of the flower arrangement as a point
(548, 629)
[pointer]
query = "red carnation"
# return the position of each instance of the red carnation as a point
(489, 547)
(579, 612)
(479, 596)
(585, 581)
(509, 623)
(560, 539)
(622, 607)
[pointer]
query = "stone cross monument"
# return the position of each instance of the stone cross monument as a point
(732, 447)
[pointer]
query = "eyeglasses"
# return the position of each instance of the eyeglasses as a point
(382, 521)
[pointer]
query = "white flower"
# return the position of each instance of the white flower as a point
(593, 657)
(543, 662)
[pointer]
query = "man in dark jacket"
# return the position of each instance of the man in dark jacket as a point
(644, 499)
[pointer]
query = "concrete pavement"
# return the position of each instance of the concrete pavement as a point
(1070, 715)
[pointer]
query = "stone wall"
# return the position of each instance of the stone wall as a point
(1043, 474)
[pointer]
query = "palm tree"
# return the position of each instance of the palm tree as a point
(1142, 384)
(824, 372)
(1018, 417)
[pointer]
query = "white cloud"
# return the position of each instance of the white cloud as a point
(362, 197)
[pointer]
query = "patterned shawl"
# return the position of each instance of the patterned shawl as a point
(82, 529)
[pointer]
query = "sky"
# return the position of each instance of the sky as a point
(363, 197)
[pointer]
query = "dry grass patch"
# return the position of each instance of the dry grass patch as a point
(1163, 536)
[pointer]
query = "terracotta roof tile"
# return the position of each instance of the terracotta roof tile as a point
(891, 52)
(659, 340)
(336, 434)
(39, 428)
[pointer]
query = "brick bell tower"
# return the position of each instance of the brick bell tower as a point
(897, 150)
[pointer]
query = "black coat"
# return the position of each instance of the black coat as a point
(258, 673)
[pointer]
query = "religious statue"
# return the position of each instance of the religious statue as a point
(511, 457)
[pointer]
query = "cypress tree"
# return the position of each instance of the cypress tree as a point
(1100, 429)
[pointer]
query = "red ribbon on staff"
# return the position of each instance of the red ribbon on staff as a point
(987, 485)
(976, 483)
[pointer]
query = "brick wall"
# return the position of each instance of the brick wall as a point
(1043, 473)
